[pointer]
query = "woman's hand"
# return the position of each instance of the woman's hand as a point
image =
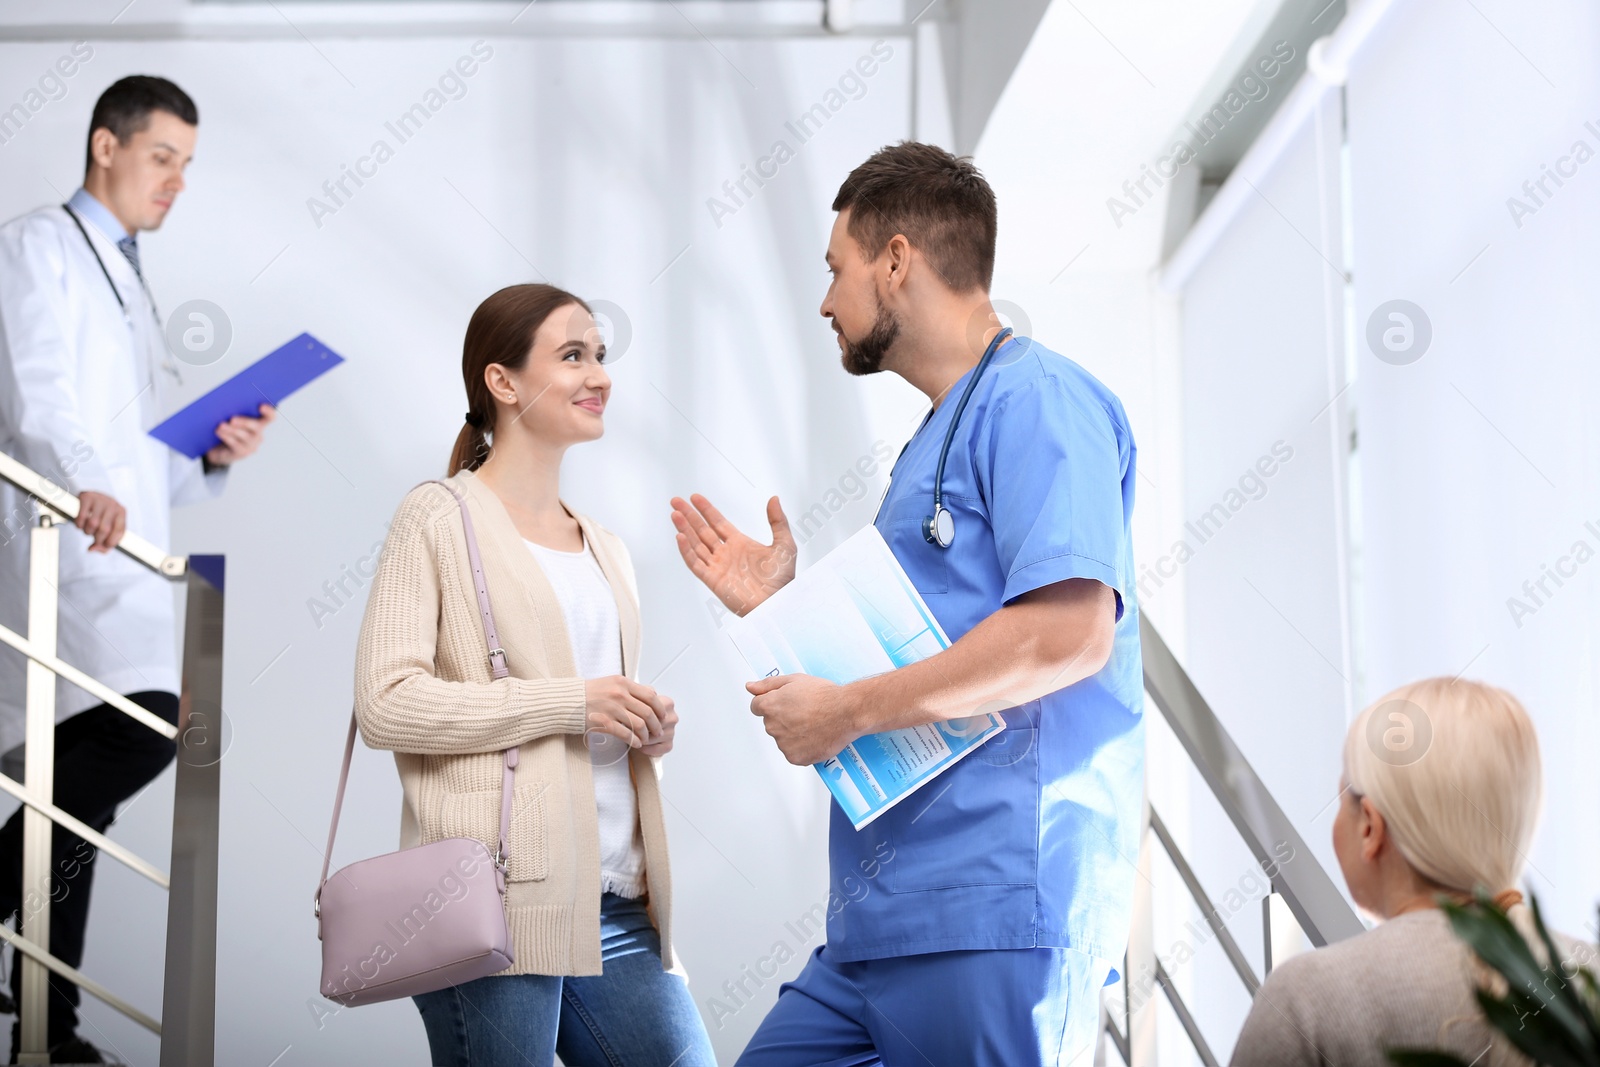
(669, 724)
(629, 711)
(741, 572)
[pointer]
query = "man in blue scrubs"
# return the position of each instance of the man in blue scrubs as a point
(1001, 892)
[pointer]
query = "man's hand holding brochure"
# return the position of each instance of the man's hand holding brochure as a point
(852, 614)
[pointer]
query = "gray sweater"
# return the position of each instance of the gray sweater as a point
(1406, 983)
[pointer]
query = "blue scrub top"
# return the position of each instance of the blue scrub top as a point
(1032, 839)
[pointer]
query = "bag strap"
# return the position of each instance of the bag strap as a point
(497, 667)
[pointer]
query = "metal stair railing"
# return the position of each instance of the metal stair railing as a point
(1303, 885)
(188, 1022)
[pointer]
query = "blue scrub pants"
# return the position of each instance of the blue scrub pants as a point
(983, 1008)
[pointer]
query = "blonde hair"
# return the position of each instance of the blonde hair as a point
(1453, 766)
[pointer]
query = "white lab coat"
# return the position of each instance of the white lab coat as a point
(81, 383)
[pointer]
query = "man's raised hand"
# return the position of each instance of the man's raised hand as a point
(741, 572)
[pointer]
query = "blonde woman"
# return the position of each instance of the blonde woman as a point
(1441, 793)
(589, 892)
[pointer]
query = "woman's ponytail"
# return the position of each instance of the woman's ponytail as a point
(471, 447)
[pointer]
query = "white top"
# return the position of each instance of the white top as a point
(596, 635)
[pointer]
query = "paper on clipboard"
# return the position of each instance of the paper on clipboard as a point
(852, 614)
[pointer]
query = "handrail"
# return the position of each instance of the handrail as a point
(1312, 896)
(99, 690)
(1230, 947)
(1119, 1040)
(65, 504)
(187, 1026)
(84, 830)
(1185, 1018)
(79, 979)
(1310, 893)
(189, 994)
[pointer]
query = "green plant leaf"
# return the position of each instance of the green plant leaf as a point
(1534, 992)
(1496, 941)
(1543, 1042)
(1549, 1017)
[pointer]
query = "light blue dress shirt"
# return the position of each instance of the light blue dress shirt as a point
(84, 203)
(101, 218)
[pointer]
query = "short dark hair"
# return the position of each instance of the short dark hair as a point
(939, 201)
(124, 108)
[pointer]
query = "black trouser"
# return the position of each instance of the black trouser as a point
(103, 757)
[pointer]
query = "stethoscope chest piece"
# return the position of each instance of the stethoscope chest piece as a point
(940, 527)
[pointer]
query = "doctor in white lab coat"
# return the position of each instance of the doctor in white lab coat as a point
(85, 372)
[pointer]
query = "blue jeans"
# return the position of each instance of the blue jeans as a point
(1014, 1007)
(633, 1015)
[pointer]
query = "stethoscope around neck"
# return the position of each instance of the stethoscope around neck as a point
(166, 359)
(940, 527)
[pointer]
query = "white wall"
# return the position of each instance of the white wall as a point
(585, 162)
(589, 162)
(1481, 460)
(1467, 470)
(1092, 104)
(1262, 577)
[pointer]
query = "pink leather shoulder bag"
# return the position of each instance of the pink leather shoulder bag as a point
(422, 918)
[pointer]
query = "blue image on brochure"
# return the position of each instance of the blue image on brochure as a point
(852, 614)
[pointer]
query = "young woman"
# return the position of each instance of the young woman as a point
(589, 894)
(1413, 826)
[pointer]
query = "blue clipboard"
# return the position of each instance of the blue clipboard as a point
(268, 380)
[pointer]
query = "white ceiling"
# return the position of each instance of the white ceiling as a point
(1100, 90)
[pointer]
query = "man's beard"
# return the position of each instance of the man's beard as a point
(866, 355)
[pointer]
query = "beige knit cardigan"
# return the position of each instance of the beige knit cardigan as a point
(424, 689)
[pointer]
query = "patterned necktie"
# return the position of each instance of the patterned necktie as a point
(130, 248)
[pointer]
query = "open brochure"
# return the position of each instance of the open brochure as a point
(852, 614)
